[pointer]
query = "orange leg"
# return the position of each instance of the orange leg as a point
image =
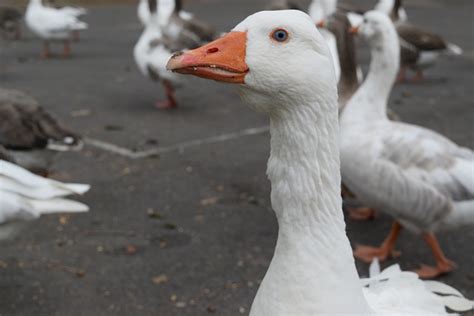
(46, 52)
(386, 250)
(67, 49)
(75, 36)
(361, 213)
(402, 74)
(170, 101)
(443, 264)
(419, 76)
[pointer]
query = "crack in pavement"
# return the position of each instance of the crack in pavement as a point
(180, 147)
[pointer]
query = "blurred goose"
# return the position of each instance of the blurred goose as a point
(284, 68)
(393, 8)
(151, 55)
(52, 24)
(419, 49)
(349, 81)
(318, 11)
(10, 22)
(25, 197)
(30, 134)
(165, 8)
(183, 33)
(285, 5)
(416, 175)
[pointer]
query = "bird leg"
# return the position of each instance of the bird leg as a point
(386, 250)
(46, 52)
(402, 74)
(67, 49)
(419, 76)
(75, 36)
(443, 264)
(170, 102)
(361, 213)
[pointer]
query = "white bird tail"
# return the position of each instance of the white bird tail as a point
(454, 49)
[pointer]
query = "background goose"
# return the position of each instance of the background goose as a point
(318, 11)
(31, 135)
(10, 22)
(165, 9)
(25, 197)
(419, 48)
(151, 55)
(393, 8)
(52, 24)
(274, 56)
(349, 81)
(285, 5)
(421, 178)
(184, 33)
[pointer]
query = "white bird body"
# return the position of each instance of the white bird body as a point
(318, 11)
(415, 174)
(50, 23)
(312, 271)
(386, 6)
(165, 8)
(74, 11)
(25, 197)
(151, 54)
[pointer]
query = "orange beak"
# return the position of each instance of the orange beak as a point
(221, 60)
(321, 24)
(354, 30)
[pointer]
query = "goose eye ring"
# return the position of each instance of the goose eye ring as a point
(280, 35)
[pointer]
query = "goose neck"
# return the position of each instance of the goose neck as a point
(313, 269)
(370, 100)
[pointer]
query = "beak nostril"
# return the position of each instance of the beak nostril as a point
(212, 50)
(177, 54)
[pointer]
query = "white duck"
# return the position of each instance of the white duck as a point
(25, 197)
(284, 68)
(165, 8)
(318, 11)
(418, 176)
(52, 24)
(151, 55)
(183, 33)
(388, 6)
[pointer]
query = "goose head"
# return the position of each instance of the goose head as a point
(277, 57)
(375, 28)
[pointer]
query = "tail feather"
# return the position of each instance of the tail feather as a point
(79, 26)
(57, 206)
(454, 49)
(461, 215)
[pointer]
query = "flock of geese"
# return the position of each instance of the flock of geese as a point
(302, 71)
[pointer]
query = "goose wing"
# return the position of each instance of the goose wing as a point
(420, 39)
(401, 292)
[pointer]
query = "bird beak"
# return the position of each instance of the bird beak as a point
(354, 30)
(321, 24)
(221, 60)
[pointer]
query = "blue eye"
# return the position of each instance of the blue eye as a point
(280, 35)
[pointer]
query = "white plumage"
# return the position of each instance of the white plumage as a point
(50, 23)
(312, 271)
(25, 197)
(418, 176)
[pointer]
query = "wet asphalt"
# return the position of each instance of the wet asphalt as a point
(188, 231)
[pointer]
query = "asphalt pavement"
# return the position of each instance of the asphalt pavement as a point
(180, 220)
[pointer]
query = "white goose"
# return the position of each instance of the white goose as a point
(387, 7)
(424, 180)
(165, 8)
(52, 24)
(151, 55)
(318, 11)
(284, 68)
(25, 197)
